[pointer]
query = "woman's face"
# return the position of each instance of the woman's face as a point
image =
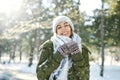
(63, 28)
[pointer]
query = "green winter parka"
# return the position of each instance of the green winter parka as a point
(48, 62)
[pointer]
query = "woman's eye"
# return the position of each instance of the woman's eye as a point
(58, 27)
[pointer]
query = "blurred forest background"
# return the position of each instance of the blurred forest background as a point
(25, 29)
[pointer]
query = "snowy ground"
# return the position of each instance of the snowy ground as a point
(111, 72)
(17, 71)
(20, 71)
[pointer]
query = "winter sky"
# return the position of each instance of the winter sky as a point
(89, 5)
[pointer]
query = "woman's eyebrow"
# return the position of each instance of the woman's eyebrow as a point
(58, 25)
(65, 23)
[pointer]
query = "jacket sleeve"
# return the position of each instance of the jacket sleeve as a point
(81, 65)
(45, 51)
(85, 68)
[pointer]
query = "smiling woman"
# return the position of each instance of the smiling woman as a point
(9, 6)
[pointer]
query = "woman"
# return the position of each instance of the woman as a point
(63, 57)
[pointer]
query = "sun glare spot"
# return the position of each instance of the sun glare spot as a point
(9, 6)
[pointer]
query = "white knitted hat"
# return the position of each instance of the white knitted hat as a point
(59, 19)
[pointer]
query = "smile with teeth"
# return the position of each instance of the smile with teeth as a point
(65, 33)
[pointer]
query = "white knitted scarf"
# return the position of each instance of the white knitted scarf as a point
(60, 40)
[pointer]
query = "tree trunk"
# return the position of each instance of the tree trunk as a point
(20, 52)
(102, 40)
(0, 56)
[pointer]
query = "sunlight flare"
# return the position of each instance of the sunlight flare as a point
(9, 6)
